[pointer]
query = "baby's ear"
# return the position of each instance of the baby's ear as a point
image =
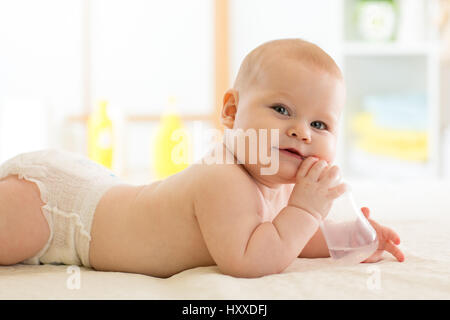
(229, 108)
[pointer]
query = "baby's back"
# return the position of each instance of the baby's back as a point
(154, 229)
(149, 229)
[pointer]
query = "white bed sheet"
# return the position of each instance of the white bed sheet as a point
(418, 210)
(425, 274)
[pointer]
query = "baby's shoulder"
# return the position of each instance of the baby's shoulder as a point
(224, 191)
(220, 173)
(224, 178)
(217, 176)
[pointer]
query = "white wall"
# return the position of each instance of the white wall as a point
(40, 70)
(254, 22)
(145, 51)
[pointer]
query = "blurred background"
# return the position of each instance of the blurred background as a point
(113, 79)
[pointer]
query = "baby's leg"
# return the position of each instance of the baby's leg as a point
(23, 228)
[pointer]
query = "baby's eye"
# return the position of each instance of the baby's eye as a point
(319, 125)
(281, 110)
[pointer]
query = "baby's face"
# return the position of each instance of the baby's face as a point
(303, 102)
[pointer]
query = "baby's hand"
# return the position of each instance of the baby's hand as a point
(313, 190)
(388, 240)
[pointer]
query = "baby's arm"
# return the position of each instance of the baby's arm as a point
(238, 242)
(316, 247)
(242, 246)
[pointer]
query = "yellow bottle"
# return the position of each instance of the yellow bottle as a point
(171, 146)
(100, 135)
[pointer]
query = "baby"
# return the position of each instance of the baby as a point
(59, 207)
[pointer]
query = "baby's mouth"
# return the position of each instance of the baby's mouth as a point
(292, 153)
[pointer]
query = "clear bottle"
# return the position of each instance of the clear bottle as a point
(350, 237)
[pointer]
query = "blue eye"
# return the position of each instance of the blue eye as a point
(280, 109)
(319, 125)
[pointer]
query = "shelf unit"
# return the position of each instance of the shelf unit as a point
(394, 66)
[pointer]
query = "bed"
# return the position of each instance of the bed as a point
(421, 216)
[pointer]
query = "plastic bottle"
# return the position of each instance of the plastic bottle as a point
(350, 237)
(171, 147)
(100, 135)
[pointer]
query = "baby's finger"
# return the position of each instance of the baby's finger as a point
(305, 166)
(395, 251)
(374, 258)
(316, 170)
(366, 212)
(391, 235)
(336, 192)
(329, 175)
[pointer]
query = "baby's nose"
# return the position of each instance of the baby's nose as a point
(298, 133)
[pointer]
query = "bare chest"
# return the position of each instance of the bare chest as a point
(270, 207)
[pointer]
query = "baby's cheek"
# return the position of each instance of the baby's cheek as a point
(329, 154)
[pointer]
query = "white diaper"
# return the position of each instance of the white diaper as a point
(71, 186)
